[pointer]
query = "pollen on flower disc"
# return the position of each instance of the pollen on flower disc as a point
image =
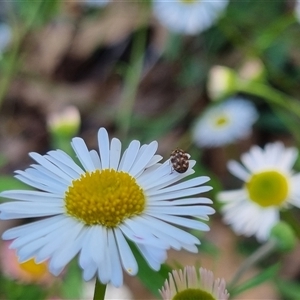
(104, 197)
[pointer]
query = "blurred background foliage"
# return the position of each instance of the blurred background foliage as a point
(121, 69)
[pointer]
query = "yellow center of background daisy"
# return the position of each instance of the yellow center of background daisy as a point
(189, 1)
(221, 121)
(268, 188)
(193, 294)
(35, 270)
(105, 198)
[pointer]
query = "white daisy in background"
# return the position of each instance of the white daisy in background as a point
(94, 210)
(224, 123)
(188, 16)
(297, 10)
(5, 36)
(190, 284)
(270, 184)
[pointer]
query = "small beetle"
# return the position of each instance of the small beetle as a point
(179, 160)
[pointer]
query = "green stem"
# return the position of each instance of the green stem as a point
(259, 254)
(11, 69)
(276, 99)
(132, 79)
(100, 288)
(271, 95)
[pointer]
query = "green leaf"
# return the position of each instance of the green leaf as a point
(152, 280)
(72, 283)
(3, 160)
(288, 289)
(265, 275)
(11, 183)
(37, 12)
(12, 290)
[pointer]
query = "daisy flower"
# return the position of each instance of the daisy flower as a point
(26, 272)
(96, 208)
(5, 36)
(297, 10)
(190, 284)
(64, 123)
(269, 185)
(188, 16)
(224, 123)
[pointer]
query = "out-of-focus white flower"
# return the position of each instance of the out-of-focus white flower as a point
(270, 184)
(65, 122)
(26, 272)
(221, 81)
(252, 69)
(188, 16)
(224, 123)
(190, 284)
(96, 208)
(5, 36)
(297, 10)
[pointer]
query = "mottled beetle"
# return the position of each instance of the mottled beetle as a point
(179, 160)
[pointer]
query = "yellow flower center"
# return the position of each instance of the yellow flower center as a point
(189, 1)
(36, 271)
(193, 294)
(268, 188)
(105, 197)
(221, 121)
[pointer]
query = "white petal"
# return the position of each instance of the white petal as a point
(178, 194)
(66, 252)
(56, 238)
(287, 160)
(96, 159)
(154, 160)
(186, 201)
(183, 222)
(103, 144)
(33, 196)
(97, 243)
(48, 186)
(144, 159)
(44, 178)
(229, 196)
(138, 233)
(130, 155)
(83, 153)
(52, 157)
(186, 184)
(151, 258)
(117, 273)
(64, 158)
(128, 260)
(31, 227)
(89, 272)
(48, 165)
(39, 230)
(181, 210)
(238, 170)
(115, 153)
(39, 171)
(171, 230)
(9, 210)
(85, 259)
